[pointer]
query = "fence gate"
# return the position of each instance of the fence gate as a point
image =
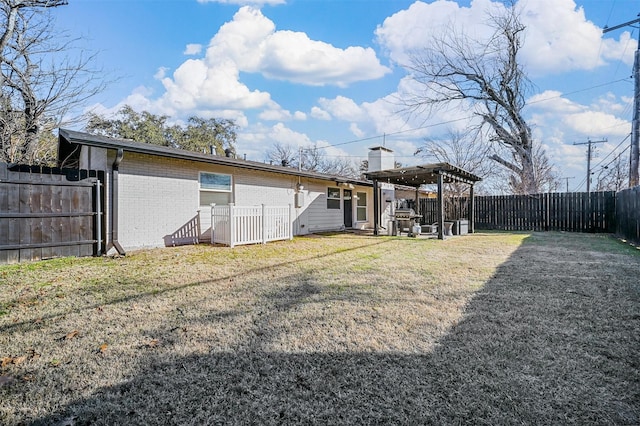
(49, 212)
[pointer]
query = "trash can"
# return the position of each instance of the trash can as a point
(460, 227)
(463, 226)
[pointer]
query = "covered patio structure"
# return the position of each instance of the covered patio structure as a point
(426, 174)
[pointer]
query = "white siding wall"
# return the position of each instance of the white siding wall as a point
(158, 196)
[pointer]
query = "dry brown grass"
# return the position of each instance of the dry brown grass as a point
(342, 329)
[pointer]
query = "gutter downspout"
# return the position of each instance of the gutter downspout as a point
(114, 203)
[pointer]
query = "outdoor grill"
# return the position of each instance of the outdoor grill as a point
(405, 218)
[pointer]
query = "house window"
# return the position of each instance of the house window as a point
(215, 188)
(333, 198)
(361, 207)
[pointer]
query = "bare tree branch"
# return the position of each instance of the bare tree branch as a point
(40, 86)
(486, 76)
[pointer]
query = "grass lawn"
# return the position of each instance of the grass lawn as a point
(491, 328)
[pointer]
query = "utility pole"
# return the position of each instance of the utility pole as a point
(589, 154)
(567, 179)
(634, 161)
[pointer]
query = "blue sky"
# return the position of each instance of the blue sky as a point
(326, 72)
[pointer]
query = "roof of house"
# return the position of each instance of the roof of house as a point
(424, 174)
(71, 137)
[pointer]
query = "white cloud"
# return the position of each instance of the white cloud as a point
(551, 111)
(558, 36)
(192, 49)
(286, 136)
(195, 86)
(256, 3)
(275, 115)
(596, 123)
(249, 43)
(278, 114)
(253, 43)
(407, 31)
(292, 56)
(404, 150)
(320, 114)
(342, 108)
(552, 101)
(161, 73)
(353, 127)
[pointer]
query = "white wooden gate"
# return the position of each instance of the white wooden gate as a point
(236, 225)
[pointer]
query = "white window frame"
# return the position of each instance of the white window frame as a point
(338, 199)
(365, 207)
(230, 189)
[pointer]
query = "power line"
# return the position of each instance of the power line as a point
(578, 91)
(634, 166)
(617, 156)
(613, 150)
(396, 133)
(384, 135)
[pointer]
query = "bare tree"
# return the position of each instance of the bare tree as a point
(461, 149)
(311, 159)
(283, 155)
(614, 176)
(487, 75)
(40, 85)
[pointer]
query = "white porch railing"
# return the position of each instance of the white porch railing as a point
(236, 225)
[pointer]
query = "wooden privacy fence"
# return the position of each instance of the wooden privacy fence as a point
(48, 212)
(569, 211)
(454, 209)
(235, 225)
(572, 212)
(628, 214)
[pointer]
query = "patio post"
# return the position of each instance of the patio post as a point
(376, 207)
(472, 214)
(440, 207)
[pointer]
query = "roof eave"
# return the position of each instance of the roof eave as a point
(81, 138)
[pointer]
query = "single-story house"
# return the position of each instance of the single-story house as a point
(158, 196)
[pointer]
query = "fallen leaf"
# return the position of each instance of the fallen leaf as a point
(71, 335)
(19, 360)
(153, 343)
(28, 378)
(103, 348)
(6, 360)
(31, 353)
(55, 362)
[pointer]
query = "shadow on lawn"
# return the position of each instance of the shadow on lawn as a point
(535, 346)
(20, 325)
